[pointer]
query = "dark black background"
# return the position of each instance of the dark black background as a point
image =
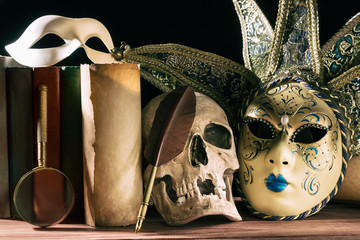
(210, 25)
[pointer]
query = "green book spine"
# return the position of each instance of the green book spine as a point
(20, 126)
(71, 135)
(4, 160)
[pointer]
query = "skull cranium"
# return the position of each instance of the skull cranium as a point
(198, 181)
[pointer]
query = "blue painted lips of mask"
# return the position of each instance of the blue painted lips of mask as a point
(276, 184)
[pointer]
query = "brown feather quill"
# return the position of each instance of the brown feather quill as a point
(168, 135)
(173, 120)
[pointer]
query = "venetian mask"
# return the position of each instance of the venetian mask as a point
(198, 181)
(290, 150)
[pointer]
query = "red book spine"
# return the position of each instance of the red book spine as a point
(49, 76)
(43, 206)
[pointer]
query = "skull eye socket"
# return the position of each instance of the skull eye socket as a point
(261, 128)
(217, 135)
(309, 134)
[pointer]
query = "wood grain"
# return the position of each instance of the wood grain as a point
(335, 221)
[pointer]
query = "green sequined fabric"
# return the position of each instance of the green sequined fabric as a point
(343, 51)
(170, 65)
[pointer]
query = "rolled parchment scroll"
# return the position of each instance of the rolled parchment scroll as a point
(111, 108)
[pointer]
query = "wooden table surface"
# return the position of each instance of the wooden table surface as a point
(335, 221)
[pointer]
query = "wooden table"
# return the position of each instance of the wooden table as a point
(335, 221)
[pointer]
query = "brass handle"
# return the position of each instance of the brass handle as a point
(42, 126)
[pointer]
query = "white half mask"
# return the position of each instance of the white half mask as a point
(290, 151)
(74, 31)
(198, 181)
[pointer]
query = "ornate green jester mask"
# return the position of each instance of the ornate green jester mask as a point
(298, 126)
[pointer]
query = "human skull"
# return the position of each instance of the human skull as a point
(290, 151)
(198, 181)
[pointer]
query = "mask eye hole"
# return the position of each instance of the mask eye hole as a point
(261, 128)
(309, 134)
(96, 44)
(217, 135)
(48, 41)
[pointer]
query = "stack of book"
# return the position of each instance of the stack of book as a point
(19, 110)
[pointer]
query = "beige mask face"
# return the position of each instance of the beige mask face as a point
(289, 150)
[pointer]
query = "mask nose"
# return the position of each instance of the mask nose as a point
(280, 154)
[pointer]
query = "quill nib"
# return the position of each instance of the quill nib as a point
(146, 199)
(138, 225)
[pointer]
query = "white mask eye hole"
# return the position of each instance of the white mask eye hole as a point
(217, 135)
(96, 44)
(261, 128)
(309, 133)
(49, 40)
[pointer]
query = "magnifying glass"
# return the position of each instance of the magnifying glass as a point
(44, 196)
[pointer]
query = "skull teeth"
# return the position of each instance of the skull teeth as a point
(191, 193)
(198, 189)
(191, 190)
(181, 199)
(220, 192)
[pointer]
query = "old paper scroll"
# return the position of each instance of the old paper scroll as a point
(111, 108)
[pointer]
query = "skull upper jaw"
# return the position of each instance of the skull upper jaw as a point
(196, 204)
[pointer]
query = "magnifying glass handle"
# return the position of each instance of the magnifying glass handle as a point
(42, 127)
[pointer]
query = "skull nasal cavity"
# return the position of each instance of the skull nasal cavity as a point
(198, 152)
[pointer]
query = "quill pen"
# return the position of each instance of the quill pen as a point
(168, 135)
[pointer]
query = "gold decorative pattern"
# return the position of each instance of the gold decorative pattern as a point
(313, 20)
(346, 88)
(342, 51)
(257, 36)
(278, 36)
(345, 78)
(290, 48)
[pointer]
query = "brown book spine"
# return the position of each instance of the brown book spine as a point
(49, 76)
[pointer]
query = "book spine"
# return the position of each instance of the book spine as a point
(20, 127)
(4, 165)
(4, 160)
(71, 135)
(49, 76)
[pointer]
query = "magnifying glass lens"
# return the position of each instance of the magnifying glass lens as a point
(44, 196)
